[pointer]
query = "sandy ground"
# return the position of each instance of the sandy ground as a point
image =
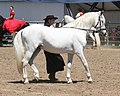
(104, 65)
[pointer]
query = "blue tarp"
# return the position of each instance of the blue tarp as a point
(62, 1)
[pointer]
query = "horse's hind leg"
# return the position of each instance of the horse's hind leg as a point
(36, 72)
(70, 58)
(25, 61)
(80, 54)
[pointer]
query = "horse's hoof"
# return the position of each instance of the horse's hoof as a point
(90, 81)
(37, 78)
(26, 82)
(69, 81)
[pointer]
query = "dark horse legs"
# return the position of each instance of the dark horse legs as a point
(1, 32)
(25, 25)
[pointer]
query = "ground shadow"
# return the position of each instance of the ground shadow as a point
(43, 81)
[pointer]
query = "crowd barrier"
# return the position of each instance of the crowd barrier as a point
(8, 38)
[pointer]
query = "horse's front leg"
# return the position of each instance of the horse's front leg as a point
(80, 54)
(93, 38)
(70, 58)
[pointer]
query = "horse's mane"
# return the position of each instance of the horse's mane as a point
(82, 20)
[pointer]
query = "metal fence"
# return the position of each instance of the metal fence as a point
(113, 37)
(8, 38)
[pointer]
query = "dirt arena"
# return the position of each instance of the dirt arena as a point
(104, 65)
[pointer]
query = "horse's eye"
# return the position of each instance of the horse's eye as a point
(102, 22)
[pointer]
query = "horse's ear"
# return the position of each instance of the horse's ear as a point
(101, 12)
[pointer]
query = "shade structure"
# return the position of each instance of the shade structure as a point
(62, 1)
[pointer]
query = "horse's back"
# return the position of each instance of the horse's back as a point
(38, 31)
(51, 39)
(44, 32)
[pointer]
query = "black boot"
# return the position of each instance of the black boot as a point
(52, 77)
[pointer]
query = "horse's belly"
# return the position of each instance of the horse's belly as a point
(54, 49)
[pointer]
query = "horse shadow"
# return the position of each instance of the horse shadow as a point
(44, 81)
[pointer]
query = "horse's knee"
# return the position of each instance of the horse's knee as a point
(25, 62)
(69, 80)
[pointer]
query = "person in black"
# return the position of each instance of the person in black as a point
(54, 62)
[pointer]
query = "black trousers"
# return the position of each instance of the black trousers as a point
(54, 62)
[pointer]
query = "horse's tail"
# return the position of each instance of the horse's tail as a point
(19, 49)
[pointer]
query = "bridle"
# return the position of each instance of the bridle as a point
(99, 21)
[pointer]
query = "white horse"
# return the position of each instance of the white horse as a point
(29, 41)
(95, 38)
(68, 19)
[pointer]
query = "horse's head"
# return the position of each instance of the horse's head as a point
(100, 23)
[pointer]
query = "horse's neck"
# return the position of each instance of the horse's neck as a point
(86, 23)
(82, 22)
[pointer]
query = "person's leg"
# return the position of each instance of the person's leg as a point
(54, 63)
(50, 66)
